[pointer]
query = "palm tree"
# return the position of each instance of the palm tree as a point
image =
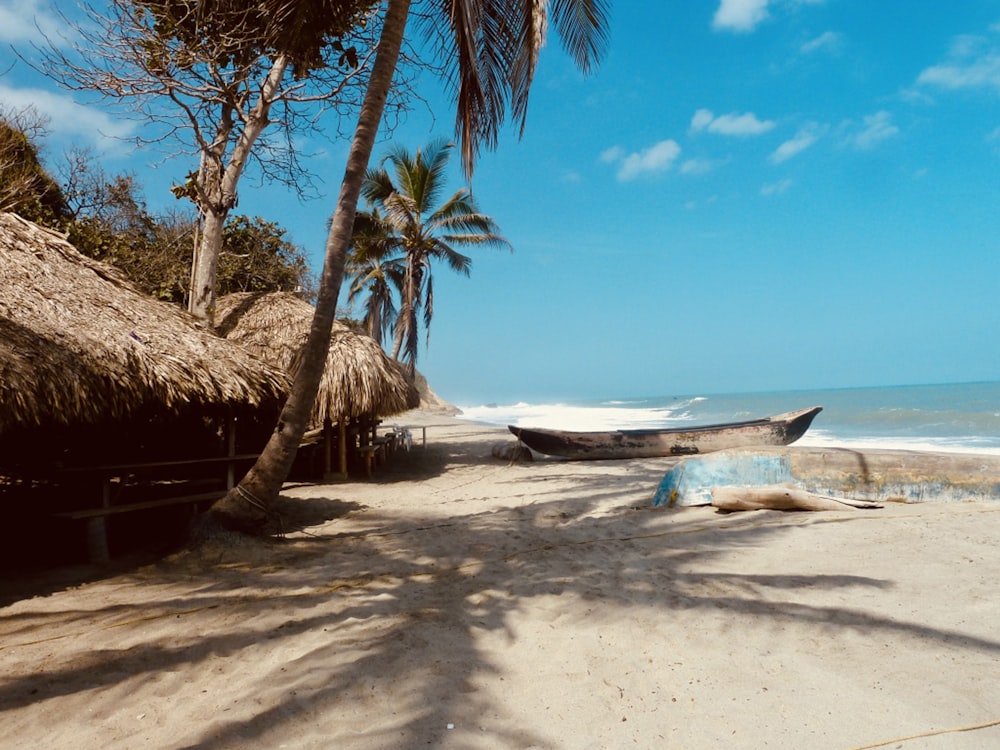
(376, 271)
(422, 231)
(492, 52)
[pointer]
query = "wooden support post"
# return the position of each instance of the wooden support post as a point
(342, 437)
(97, 541)
(327, 446)
(97, 530)
(230, 452)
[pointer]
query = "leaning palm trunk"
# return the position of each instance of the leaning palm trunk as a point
(247, 506)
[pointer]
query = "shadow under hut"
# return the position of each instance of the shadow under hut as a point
(111, 400)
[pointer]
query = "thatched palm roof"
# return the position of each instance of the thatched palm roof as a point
(79, 343)
(360, 379)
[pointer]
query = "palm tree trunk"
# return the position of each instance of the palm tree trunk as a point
(247, 506)
(407, 318)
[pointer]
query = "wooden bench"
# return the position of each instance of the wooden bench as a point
(114, 476)
(117, 471)
(378, 451)
(96, 518)
(388, 443)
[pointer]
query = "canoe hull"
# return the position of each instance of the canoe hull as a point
(782, 429)
(869, 474)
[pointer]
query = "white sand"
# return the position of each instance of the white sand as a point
(460, 602)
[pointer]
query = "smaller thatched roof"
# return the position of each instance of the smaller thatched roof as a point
(79, 343)
(360, 379)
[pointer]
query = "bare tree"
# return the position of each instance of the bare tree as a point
(213, 75)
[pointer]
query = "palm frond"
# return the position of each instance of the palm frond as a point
(456, 261)
(428, 308)
(582, 26)
(491, 52)
(470, 223)
(477, 238)
(432, 164)
(377, 185)
(403, 215)
(460, 202)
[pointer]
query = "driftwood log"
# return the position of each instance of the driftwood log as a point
(780, 497)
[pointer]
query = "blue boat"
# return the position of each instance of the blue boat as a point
(869, 475)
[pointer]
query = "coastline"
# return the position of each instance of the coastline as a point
(462, 601)
(948, 418)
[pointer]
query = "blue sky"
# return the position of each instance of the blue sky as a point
(748, 195)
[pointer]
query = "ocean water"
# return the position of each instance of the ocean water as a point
(960, 417)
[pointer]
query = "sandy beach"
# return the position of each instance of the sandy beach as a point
(459, 601)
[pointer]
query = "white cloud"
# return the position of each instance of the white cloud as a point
(776, 188)
(743, 16)
(798, 143)
(739, 15)
(702, 119)
(967, 45)
(612, 154)
(24, 21)
(657, 158)
(877, 128)
(973, 73)
(699, 166)
(827, 41)
(993, 138)
(731, 124)
(914, 95)
(691, 205)
(972, 62)
(68, 118)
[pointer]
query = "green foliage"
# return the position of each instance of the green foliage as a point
(116, 227)
(188, 190)
(25, 187)
(107, 218)
(256, 257)
(155, 253)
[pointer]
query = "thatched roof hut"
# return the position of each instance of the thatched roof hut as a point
(80, 344)
(360, 379)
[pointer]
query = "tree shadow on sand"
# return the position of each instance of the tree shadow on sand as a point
(47, 555)
(405, 606)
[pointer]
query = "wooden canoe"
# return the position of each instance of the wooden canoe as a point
(781, 429)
